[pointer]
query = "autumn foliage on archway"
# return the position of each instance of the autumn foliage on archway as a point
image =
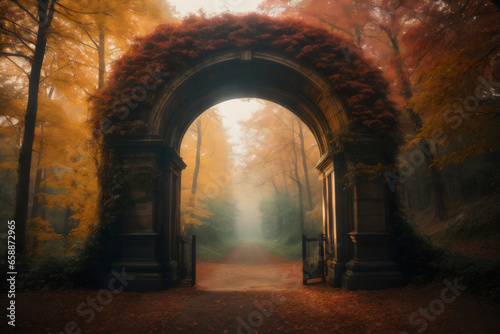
(173, 47)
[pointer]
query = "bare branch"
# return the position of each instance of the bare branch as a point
(476, 63)
(19, 25)
(8, 54)
(19, 38)
(76, 11)
(93, 41)
(24, 9)
(75, 76)
(69, 18)
(22, 69)
(74, 39)
(334, 26)
(48, 75)
(423, 56)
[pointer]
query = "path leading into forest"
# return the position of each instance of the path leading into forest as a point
(253, 291)
(249, 267)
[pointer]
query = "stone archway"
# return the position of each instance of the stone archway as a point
(142, 122)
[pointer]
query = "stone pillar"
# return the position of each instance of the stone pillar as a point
(151, 221)
(337, 215)
(371, 266)
(172, 166)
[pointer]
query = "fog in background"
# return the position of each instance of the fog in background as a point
(260, 141)
(248, 196)
(184, 7)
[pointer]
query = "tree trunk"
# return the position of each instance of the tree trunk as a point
(36, 191)
(287, 221)
(276, 191)
(285, 186)
(197, 164)
(281, 222)
(24, 168)
(304, 165)
(40, 174)
(436, 180)
(438, 189)
(299, 188)
(101, 51)
(358, 36)
(44, 190)
(301, 209)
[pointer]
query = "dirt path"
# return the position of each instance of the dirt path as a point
(249, 267)
(268, 304)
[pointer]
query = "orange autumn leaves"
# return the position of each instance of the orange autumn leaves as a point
(174, 47)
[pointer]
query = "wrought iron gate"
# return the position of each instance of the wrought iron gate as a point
(313, 259)
(187, 259)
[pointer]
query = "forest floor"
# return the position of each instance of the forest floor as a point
(254, 291)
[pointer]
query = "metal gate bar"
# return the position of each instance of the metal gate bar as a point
(186, 259)
(313, 259)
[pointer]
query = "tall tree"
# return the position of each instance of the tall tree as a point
(45, 14)
(296, 178)
(51, 30)
(38, 179)
(454, 52)
(304, 166)
(114, 23)
(206, 151)
(196, 171)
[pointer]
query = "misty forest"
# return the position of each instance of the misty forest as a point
(263, 166)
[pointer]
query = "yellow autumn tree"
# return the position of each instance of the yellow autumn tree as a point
(208, 174)
(85, 37)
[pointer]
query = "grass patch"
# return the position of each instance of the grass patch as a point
(289, 248)
(214, 251)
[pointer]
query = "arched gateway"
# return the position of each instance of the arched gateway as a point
(170, 77)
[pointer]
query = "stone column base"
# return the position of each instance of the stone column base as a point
(371, 275)
(335, 272)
